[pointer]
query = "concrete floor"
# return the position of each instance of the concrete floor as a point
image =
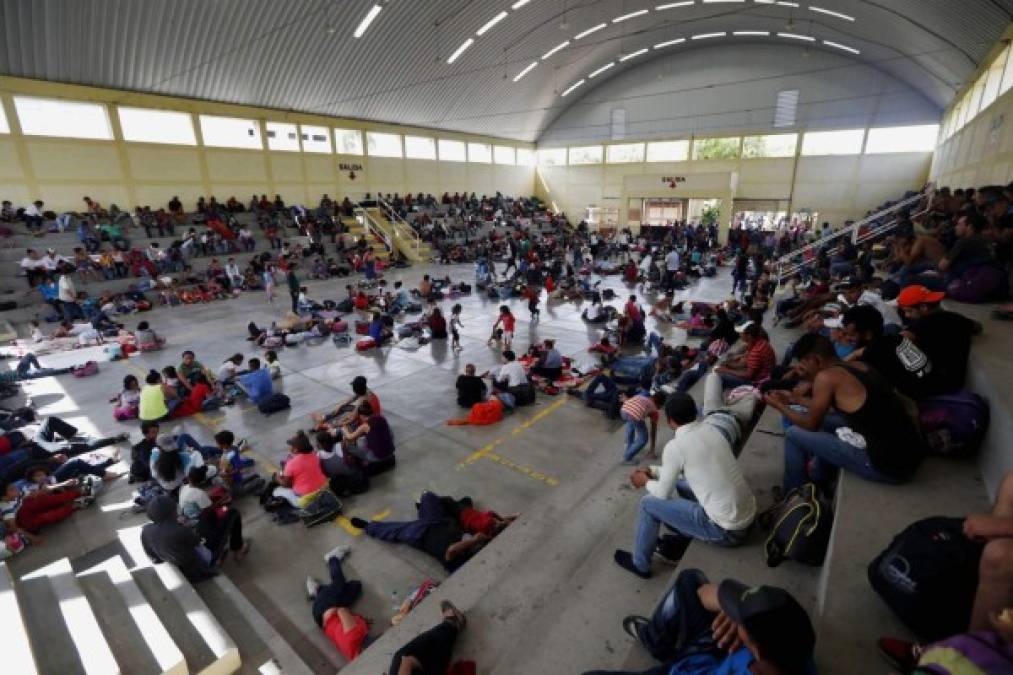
(527, 463)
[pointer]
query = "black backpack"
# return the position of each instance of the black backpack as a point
(799, 527)
(140, 463)
(928, 576)
(274, 403)
(324, 508)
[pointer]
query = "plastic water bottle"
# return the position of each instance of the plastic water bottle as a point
(395, 601)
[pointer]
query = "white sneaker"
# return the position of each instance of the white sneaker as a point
(339, 552)
(312, 586)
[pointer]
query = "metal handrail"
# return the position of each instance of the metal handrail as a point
(374, 228)
(790, 264)
(402, 229)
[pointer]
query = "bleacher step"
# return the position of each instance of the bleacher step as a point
(18, 656)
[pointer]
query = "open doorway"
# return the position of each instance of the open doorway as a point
(663, 211)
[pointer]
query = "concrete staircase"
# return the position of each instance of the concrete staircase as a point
(408, 243)
(111, 611)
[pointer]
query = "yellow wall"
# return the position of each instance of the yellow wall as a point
(61, 171)
(838, 187)
(982, 152)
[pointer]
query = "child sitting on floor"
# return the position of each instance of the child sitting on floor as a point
(127, 402)
(272, 364)
(147, 339)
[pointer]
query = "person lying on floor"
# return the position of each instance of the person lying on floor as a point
(24, 513)
(345, 411)
(29, 368)
(437, 531)
(728, 628)
(430, 652)
(332, 606)
(52, 442)
(698, 491)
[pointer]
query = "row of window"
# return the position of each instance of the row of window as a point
(990, 85)
(921, 138)
(75, 119)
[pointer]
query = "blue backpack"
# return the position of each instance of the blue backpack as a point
(954, 424)
(636, 370)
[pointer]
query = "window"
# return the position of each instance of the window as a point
(419, 147)
(994, 79)
(716, 148)
(348, 141)
(480, 152)
(902, 139)
(624, 153)
(453, 151)
(965, 109)
(976, 92)
(383, 145)
(1007, 74)
(525, 157)
(282, 136)
(504, 154)
(315, 139)
(586, 154)
(230, 132)
(4, 127)
(552, 157)
(668, 151)
(773, 145)
(69, 119)
(846, 142)
(144, 125)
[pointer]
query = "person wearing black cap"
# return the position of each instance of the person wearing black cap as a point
(702, 627)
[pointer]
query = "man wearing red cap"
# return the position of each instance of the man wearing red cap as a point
(944, 336)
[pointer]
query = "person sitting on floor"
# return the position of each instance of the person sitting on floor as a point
(256, 382)
(302, 478)
(471, 388)
(332, 607)
(754, 365)
(698, 491)
(369, 437)
(345, 410)
(550, 362)
(437, 531)
(723, 629)
(165, 539)
(875, 436)
(219, 525)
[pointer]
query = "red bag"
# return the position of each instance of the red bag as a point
(339, 326)
(362, 328)
(365, 344)
(487, 412)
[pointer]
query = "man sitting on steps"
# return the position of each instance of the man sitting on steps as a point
(724, 629)
(712, 502)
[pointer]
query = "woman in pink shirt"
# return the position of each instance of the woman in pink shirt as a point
(302, 478)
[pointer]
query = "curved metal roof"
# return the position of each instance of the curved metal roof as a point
(301, 54)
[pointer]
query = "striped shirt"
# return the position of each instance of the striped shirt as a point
(640, 407)
(760, 360)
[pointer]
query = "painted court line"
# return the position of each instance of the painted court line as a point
(345, 523)
(486, 451)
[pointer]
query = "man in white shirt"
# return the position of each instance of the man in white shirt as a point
(51, 261)
(711, 502)
(67, 294)
(853, 294)
(511, 373)
(34, 267)
(33, 215)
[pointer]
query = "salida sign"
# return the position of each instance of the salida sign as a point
(673, 181)
(350, 168)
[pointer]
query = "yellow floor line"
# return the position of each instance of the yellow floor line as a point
(345, 523)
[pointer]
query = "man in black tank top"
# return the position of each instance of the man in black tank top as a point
(878, 440)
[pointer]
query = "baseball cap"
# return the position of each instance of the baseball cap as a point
(917, 295)
(848, 283)
(773, 619)
(833, 322)
(743, 327)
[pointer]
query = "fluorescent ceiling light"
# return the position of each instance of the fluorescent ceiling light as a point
(676, 41)
(838, 45)
(704, 36)
(561, 45)
(490, 23)
(366, 20)
(602, 69)
(718, 2)
(673, 5)
(460, 50)
(573, 86)
(519, 4)
(631, 15)
(795, 36)
(765, 2)
(787, 4)
(525, 71)
(594, 29)
(632, 55)
(830, 12)
(745, 33)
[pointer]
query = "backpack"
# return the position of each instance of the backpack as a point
(324, 508)
(928, 576)
(978, 652)
(345, 305)
(87, 370)
(524, 394)
(365, 344)
(362, 328)
(608, 294)
(145, 494)
(954, 424)
(339, 326)
(638, 370)
(140, 464)
(344, 485)
(486, 412)
(341, 339)
(274, 403)
(799, 527)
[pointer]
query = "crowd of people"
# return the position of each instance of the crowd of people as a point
(875, 348)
